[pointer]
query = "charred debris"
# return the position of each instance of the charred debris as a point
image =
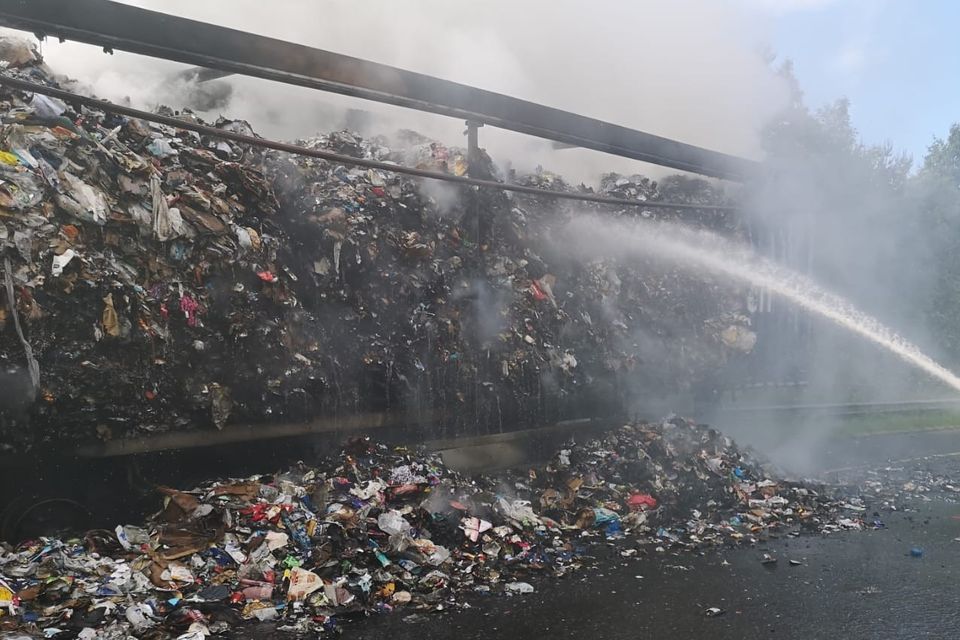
(156, 280)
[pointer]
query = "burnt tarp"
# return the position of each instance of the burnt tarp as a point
(164, 281)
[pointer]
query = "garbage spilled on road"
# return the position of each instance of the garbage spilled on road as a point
(895, 486)
(157, 280)
(381, 530)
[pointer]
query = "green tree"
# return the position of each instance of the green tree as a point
(833, 207)
(935, 191)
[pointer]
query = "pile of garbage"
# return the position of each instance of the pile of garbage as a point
(382, 529)
(156, 280)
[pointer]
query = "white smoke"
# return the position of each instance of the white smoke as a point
(686, 69)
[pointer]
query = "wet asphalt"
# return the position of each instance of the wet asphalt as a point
(847, 585)
(850, 585)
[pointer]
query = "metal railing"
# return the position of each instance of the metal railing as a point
(116, 26)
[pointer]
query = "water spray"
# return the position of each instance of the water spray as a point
(705, 250)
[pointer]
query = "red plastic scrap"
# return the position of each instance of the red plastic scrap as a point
(642, 501)
(537, 292)
(266, 276)
(190, 308)
(70, 231)
(258, 512)
(404, 489)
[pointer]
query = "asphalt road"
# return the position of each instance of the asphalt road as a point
(850, 585)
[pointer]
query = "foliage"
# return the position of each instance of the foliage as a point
(935, 191)
(885, 237)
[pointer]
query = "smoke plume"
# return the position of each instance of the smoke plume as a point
(687, 69)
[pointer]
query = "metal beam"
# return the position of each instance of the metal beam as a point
(178, 123)
(202, 74)
(239, 433)
(118, 26)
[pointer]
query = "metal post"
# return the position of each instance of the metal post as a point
(473, 164)
(480, 273)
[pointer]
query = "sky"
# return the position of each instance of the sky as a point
(897, 61)
(687, 69)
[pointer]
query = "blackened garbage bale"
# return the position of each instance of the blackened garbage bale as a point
(168, 282)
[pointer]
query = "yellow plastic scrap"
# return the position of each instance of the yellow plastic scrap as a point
(111, 323)
(8, 158)
(250, 607)
(255, 241)
(6, 599)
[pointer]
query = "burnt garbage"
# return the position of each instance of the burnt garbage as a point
(380, 530)
(157, 280)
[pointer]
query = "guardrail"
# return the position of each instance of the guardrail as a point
(116, 26)
(846, 409)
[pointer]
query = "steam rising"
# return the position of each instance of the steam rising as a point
(687, 69)
(704, 250)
